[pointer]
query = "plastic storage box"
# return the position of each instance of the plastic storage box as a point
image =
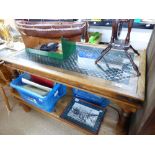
(46, 103)
(89, 97)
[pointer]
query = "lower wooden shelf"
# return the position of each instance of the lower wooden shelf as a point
(108, 123)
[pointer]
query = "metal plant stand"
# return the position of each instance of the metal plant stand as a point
(118, 44)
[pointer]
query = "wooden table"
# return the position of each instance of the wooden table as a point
(130, 98)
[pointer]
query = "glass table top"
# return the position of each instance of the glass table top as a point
(115, 66)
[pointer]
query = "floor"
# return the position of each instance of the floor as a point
(19, 122)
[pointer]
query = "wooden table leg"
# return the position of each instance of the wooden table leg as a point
(25, 107)
(124, 121)
(5, 99)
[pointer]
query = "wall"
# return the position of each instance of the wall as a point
(139, 37)
(143, 122)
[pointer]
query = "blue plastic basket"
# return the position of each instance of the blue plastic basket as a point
(46, 103)
(89, 97)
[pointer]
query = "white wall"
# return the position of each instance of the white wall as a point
(139, 37)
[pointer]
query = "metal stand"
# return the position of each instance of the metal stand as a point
(117, 44)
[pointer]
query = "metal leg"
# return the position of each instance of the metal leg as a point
(135, 51)
(103, 53)
(132, 62)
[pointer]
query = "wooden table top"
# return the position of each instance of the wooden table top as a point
(132, 94)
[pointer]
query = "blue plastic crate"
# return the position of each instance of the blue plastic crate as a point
(89, 97)
(46, 103)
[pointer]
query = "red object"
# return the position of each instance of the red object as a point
(42, 81)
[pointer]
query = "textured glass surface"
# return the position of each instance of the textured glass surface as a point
(114, 67)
